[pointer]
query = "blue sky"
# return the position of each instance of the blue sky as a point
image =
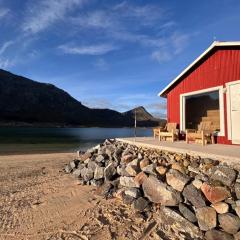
(111, 54)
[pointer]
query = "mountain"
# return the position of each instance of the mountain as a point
(25, 101)
(143, 117)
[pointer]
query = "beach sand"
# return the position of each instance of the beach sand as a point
(39, 201)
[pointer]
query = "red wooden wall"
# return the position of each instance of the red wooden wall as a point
(218, 68)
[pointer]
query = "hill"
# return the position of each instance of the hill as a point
(25, 101)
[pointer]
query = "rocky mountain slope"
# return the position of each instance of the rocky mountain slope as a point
(23, 100)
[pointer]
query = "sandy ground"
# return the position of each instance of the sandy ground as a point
(39, 201)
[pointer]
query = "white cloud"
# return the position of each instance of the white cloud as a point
(157, 106)
(180, 41)
(97, 102)
(148, 13)
(100, 49)
(6, 63)
(4, 12)
(95, 19)
(4, 47)
(161, 55)
(47, 12)
(145, 40)
(173, 46)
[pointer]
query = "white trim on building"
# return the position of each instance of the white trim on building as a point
(229, 120)
(212, 46)
(221, 107)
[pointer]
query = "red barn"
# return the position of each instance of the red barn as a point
(208, 90)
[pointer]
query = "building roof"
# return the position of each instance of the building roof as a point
(208, 50)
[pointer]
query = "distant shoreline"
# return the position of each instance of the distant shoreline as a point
(56, 125)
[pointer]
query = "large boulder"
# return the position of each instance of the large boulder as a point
(217, 235)
(229, 222)
(150, 169)
(87, 174)
(224, 174)
(143, 163)
(236, 236)
(221, 207)
(139, 179)
(187, 213)
(237, 190)
(174, 226)
(92, 165)
(68, 168)
(161, 170)
(158, 192)
(207, 218)
(140, 204)
(215, 194)
(194, 196)
(128, 182)
(132, 168)
(100, 158)
(99, 173)
(74, 163)
(133, 192)
(197, 183)
(127, 158)
(110, 171)
(76, 173)
(176, 179)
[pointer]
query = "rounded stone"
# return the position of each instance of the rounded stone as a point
(207, 218)
(217, 235)
(229, 222)
(221, 207)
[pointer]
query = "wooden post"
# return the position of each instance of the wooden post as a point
(135, 126)
(203, 138)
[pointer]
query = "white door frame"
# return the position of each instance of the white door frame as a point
(229, 120)
(221, 107)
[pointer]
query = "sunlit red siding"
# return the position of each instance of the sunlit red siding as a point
(217, 69)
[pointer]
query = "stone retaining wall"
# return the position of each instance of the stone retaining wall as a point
(201, 196)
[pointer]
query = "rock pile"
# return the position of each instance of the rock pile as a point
(202, 192)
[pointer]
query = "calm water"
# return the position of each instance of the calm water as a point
(22, 140)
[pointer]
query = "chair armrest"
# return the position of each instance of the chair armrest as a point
(162, 130)
(191, 130)
(208, 132)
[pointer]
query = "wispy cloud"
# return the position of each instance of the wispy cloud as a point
(100, 49)
(161, 56)
(173, 46)
(96, 102)
(42, 15)
(124, 22)
(4, 12)
(6, 63)
(179, 41)
(4, 47)
(94, 19)
(147, 13)
(157, 106)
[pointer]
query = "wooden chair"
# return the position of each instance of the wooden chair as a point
(203, 135)
(169, 132)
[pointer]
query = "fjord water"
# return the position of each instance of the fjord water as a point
(18, 140)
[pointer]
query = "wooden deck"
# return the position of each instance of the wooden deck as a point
(229, 154)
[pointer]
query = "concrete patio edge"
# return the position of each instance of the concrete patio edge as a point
(230, 160)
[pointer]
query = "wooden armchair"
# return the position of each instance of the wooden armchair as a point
(170, 131)
(203, 135)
